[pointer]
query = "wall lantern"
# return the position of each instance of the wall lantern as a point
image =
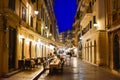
(36, 12)
(95, 24)
(46, 27)
(80, 38)
(50, 34)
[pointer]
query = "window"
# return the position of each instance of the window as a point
(45, 19)
(79, 37)
(41, 11)
(90, 24)
(114, 5)
(36, 26)
(43, 32)
(32, 1)
(94, 19)
(31, 21)
(23, 14)
(12, 5)
(43, 16)
(50, 28)
(90, 4)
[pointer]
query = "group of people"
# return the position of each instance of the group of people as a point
(55, 56)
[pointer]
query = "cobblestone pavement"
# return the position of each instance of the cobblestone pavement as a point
(80, 70)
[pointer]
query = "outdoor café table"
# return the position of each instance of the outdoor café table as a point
(32, 63)
(54, 64)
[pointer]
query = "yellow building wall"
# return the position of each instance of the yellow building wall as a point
(93, 49)
(103, 47)
(14, 19)
(111, 38)
(1, 45)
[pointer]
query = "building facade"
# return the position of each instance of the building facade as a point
(53, 23)
(98, 25)
(113, 25)
(66, 35)
(26, 31)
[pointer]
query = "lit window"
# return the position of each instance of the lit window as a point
(23, 14)
(12, 5)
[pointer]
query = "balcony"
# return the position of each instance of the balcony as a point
(87, 15)
(85, 30)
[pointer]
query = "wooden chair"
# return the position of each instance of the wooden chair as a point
(39, 61)
(21, 64)
(61, 65)
(27, 64)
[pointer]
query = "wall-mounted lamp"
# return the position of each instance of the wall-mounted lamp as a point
(46, 27)
(95, 24)
(80, 38)
(36, 12)
(50, 34)
(21, 36)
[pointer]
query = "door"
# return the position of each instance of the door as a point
(30, 47)
(12, 48)
(23, 41)
(116, 58)
(95, 52)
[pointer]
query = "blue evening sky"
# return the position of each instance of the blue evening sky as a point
(65, 12)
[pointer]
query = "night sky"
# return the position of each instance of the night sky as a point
(65, 12)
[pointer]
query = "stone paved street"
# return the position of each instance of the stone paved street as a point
(79, 70)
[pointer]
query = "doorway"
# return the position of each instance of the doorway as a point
(30, 47)
(116, 58)
(12, 48)
(23, 41)
(95, 53)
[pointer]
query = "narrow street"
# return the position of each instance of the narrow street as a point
(80, 70)
(37, 35)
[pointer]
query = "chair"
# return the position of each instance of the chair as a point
(36, 61)
(21, 64)
(61, 65)
(68, 60)
(27, 63)
(32, 63)
(39, 61)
